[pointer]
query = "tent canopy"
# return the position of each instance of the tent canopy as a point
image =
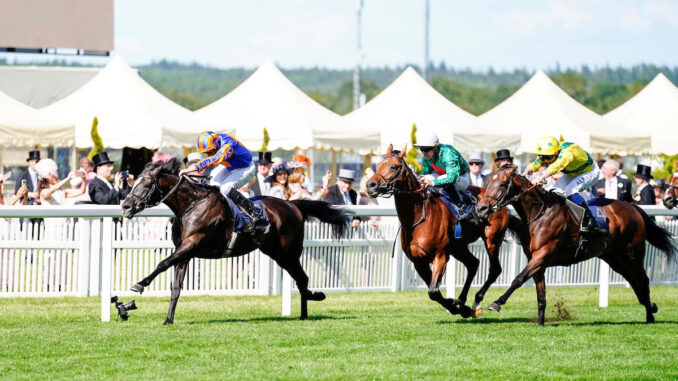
(653, 110)
(267, 99)
(541, 108)
(131, 113)
(24, 126)
(410, 100)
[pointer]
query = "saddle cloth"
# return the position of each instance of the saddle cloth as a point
(241, 219)
(445, 198)
(595, 206)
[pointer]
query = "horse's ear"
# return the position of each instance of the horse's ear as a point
(403, 152)
(512, 169)
(172, 166)
(389, 150)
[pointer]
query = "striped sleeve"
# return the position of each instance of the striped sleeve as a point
(224, 152)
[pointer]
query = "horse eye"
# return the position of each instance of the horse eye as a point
(395, 166)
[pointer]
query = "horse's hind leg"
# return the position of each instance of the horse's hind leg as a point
(540, 284)
(632, 270)
(464, 255)
(177, 284)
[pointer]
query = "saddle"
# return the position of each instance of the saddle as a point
(595, 207)
(447, 201)
(240, 217)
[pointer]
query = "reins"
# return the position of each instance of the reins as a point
(502, 201)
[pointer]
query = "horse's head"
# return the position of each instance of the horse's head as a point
(391, 174)
(501, 187)
(670, 194)
(146, 191)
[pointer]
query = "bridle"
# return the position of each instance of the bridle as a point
(145, 201)
(503, 200)
(388, 188)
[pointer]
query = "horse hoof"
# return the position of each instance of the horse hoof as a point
(466, 311)
(649, 319)
(317, 296)
(494, 307)
(654, 308)
(477, 312)
(168, 322)
(138, 288)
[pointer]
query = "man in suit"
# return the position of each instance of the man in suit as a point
(503, 157)
(644, 193)
(101, 191)
(612, 186)
(31, 178)
(342, 194)
(261, 187)
(475, 167)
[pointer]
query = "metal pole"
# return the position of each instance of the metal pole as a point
(359, 56)
(426, 38)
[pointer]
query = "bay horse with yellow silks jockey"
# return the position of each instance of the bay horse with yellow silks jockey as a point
(205, 222)
(428, 231)
(554, 236)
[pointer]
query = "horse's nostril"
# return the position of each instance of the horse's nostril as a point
(372, 184)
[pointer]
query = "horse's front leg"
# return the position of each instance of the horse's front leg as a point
(535, 265)
(177, 284)
(183, 252)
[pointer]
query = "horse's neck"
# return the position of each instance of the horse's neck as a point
(529, 205)
(179, 201)
(409, 208)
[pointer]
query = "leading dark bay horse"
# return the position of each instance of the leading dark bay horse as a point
(204, 223)
(671, 194)
(554, 236)
(427, 233)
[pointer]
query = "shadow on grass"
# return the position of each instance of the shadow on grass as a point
(272, 319)
(485, 321)
(597, 323)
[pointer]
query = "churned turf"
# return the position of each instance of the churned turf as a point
(349, 336)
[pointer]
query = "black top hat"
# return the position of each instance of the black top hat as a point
(33, 155)
(503, 154)
(265, 158)
(644, 172)
(100, 159)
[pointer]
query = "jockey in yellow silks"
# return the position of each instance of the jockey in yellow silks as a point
(580, 171)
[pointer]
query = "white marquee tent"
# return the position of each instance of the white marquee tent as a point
(541, 108)
(411, 100)
(22, 126)
(131, 113)
(653, 110)
(267, 99)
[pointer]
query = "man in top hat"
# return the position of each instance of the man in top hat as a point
(644, 192)
(475, 168)
(101, 191)
(31, 177)
(503, 157)
(341, 192)
(261, 187)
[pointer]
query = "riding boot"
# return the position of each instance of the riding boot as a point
(251, 209)
(465, 201)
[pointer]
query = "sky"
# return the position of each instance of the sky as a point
(476, 34)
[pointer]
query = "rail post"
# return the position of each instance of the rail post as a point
(106, 268)
(451, 278)
(84, 256)
(286, 294)
(604, 279)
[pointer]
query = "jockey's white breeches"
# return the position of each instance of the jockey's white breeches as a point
(226, 178)
(461, 184)
(579, 183)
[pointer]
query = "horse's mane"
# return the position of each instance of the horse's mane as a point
(172, 168)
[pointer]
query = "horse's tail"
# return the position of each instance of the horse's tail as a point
(325, 212)
(518, 230)
(657, 236)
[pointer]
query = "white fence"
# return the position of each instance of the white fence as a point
(80, 251)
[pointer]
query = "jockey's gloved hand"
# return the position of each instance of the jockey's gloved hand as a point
(189, 169)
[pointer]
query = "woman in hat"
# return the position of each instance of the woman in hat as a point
(232, 168)
(50, 188)
(279, 187)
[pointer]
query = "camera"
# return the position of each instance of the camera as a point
(125, 174)
(123, 307)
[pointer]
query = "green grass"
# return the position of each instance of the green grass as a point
(349, 336)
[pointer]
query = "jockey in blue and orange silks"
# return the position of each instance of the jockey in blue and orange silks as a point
(232, 169)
